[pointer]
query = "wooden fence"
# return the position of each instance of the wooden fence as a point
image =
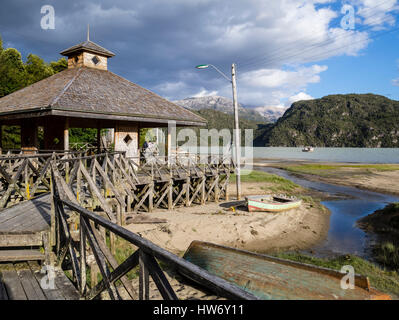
(92, 196)
(146, 256)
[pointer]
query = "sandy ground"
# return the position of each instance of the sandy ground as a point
(379, 181)
(368, 179)
(295, 229)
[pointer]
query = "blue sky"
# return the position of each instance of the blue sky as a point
(285, 50)
(371, 71)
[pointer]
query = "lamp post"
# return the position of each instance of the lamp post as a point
(236, 124)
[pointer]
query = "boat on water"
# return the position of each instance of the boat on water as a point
(272, 278)
(308, 149)
(272, 203)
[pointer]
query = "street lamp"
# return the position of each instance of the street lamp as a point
(236, 124)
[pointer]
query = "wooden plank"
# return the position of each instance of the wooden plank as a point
(3, 291)
(20, 255)
(32, 222)
(30, 285)
(16, 240)
(20, 217)
(65, 286)
(13, 285)
(51, 294)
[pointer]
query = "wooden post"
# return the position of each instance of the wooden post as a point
(188, 181)
(98, 139)
(66, 134)
(94, 271)
(1, 138)
(82, 257)
(217, 189)
(66, 147)
(52, 216)
(144, 281)
(168, 146)
(151, 198)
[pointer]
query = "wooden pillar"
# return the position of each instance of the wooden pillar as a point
(66, 134)
(1, 138)
(168, 142)
(98, 139)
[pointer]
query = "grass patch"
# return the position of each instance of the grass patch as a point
(387, 254)
(123, 249)
(383, 280)
(385, 223)
(275, 182)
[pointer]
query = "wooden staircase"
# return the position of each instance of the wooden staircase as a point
(24, 230)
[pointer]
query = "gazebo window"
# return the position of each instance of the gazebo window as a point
(128, 139)
(95, 60)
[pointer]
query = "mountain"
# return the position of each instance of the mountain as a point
(221, 104)
(351, 120)
(220, 120)
(271, 113)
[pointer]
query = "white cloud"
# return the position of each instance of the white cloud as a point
(298, 97)
(205, 93)
(395, 82)
(273, 86)
(378, 15)
(271, 41)
(280, 47)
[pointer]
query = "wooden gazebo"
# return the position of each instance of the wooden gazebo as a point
(87, 95)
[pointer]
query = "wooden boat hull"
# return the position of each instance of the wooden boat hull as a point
(268, 277)
(255, 204)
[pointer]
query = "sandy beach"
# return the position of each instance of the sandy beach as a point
(295, 229)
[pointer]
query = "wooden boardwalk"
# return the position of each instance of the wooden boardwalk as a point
(22, 281)
(25, 223)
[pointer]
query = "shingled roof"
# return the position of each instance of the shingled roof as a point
(89, 46)
(84, 91)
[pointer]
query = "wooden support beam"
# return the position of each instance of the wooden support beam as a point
(66, 134)
(98, 139)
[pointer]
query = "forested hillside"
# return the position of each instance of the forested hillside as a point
(351, 120)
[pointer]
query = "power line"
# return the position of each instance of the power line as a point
(339, 48)
(251, 62)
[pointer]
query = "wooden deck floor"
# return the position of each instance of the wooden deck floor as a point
(27, 217)
(22, 281)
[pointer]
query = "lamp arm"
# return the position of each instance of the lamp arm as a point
(224, 76)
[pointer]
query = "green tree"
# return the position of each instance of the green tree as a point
(12, 72)
(15, 75)
(59, 65)
(37, 69)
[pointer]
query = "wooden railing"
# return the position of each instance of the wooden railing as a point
(137, 184)
(22, 176)
(146, 257)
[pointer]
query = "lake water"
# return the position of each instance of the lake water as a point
(343, 235)
(359, 155)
